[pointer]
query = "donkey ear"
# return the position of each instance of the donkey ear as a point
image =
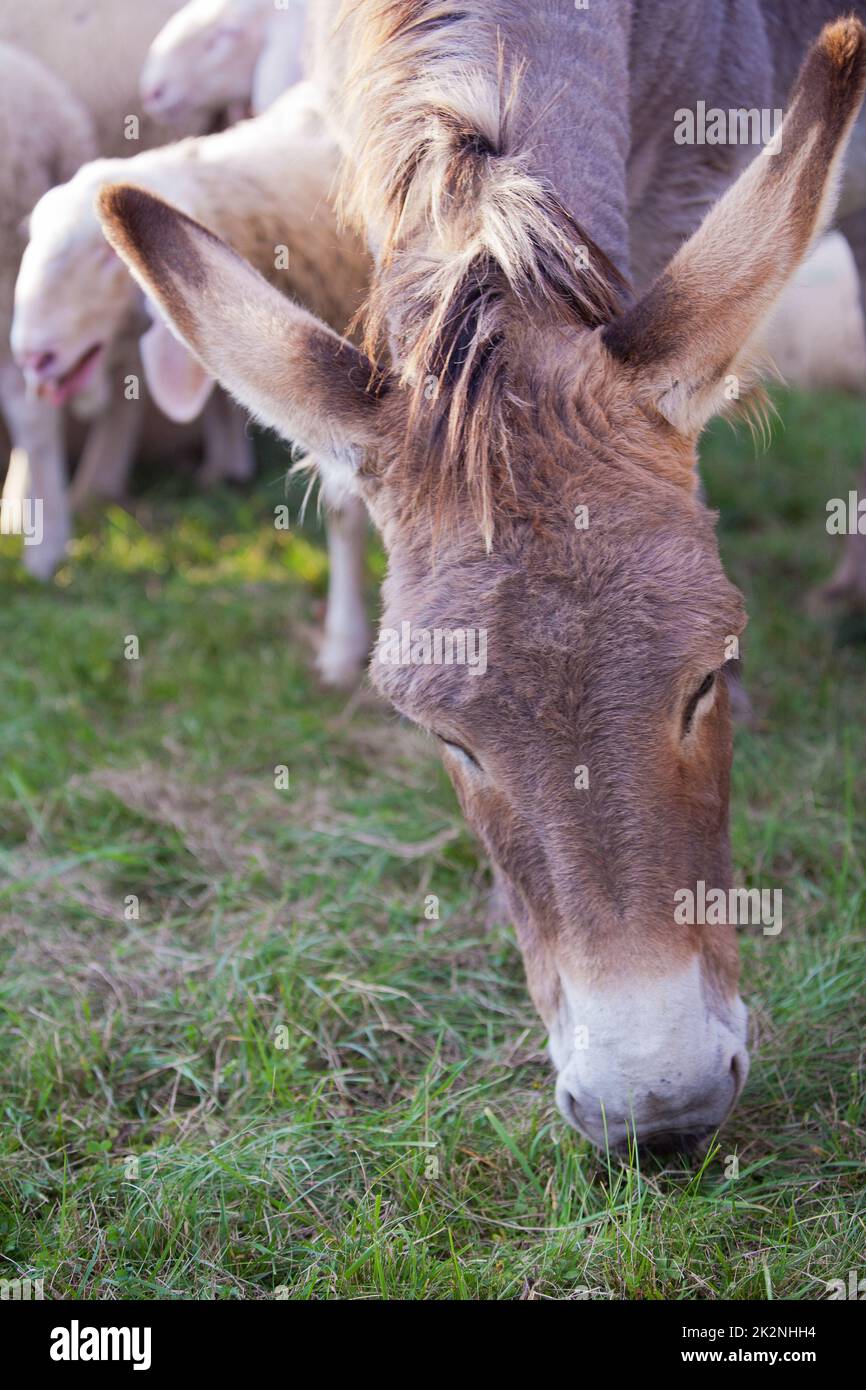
(691, 332)
(289, 370)
(179, 384)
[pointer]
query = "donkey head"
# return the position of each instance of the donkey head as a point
(545, 495)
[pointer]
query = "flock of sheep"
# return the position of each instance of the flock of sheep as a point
(90, 92)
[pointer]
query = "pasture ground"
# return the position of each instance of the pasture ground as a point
(158, 1142)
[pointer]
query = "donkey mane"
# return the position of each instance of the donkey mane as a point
(473, 247)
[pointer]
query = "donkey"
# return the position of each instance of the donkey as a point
(529, 457)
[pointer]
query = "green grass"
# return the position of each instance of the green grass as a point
(280, 1079)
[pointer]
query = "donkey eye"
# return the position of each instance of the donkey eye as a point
(706, 684)
(703, 689)
(460, 751)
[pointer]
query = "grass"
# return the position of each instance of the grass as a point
(239, 1061)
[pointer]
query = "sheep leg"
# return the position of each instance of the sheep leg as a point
(106, 461)
(846, 588)
(346, 641)
(37, 471)
(229, 455)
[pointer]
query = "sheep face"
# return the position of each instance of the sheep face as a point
(74, 298)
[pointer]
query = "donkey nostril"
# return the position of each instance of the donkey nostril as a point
(44, 360)
(738, 1072)
(571, 1109)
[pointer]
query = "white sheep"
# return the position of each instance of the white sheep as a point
(217, 55)
(68, 90)
(263, 186)
(97, 48)
(45, 134)
(815, 338)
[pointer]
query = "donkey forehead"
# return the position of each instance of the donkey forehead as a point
(561, 613)
(563, 566)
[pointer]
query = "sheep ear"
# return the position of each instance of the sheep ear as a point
(179, 384)
(289, 370)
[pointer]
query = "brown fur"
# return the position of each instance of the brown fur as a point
(623, 621)
(471, 243)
